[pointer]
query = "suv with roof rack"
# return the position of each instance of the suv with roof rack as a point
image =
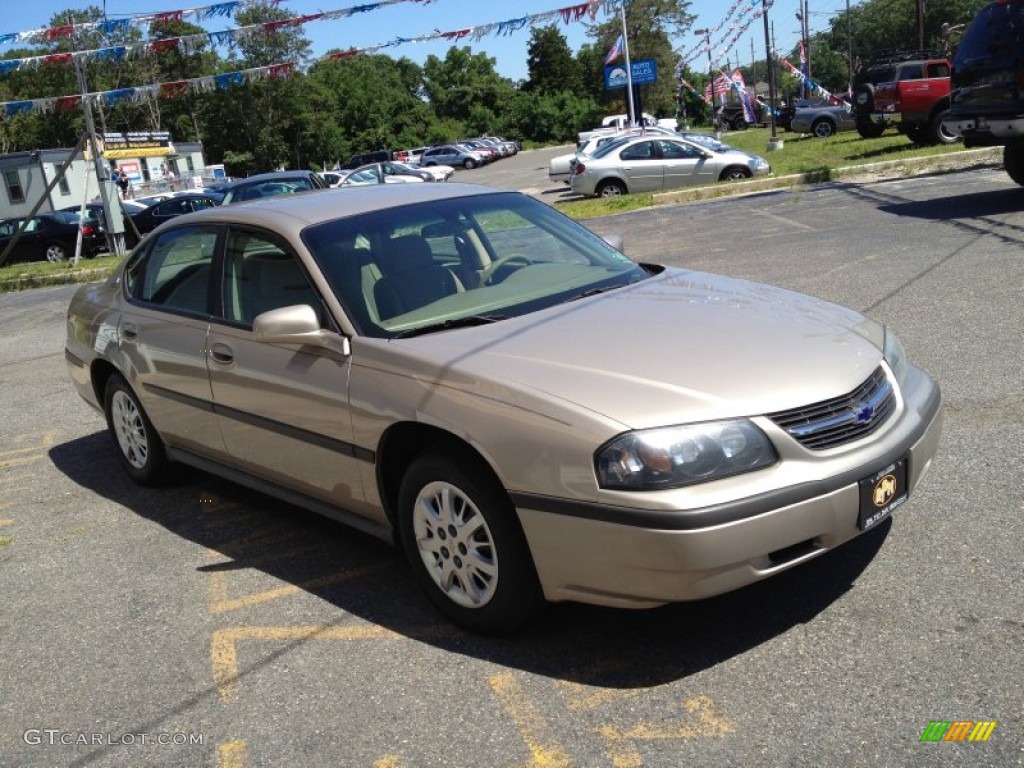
(908, 90)
(987, 103)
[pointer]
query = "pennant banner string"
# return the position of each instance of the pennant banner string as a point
(222, 81)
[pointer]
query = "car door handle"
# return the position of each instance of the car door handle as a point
(129, 332)
(222, 353)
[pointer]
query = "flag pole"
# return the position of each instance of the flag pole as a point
(629, 67)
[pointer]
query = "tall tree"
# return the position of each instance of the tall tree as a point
(465, 87)
(550, 63)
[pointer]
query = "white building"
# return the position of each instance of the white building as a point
(26, 175)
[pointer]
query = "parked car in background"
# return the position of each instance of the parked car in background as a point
(656, 163)
(987, 101)
(436, 172)
(908, 90)
(94, 214)
(154, 215)
(391, 168)
(333, 178)
(453, 155)
(823, 119)
(364, 158)
(271, 185)
(49, 236)
(487, 152)
(373, 174)
(512, 146)
(560, 166)
(430, 364)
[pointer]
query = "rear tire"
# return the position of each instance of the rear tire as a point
(1013, 161)
(868, 129)
(611, 189)
(937, 133)
(462, 538)
(55, 253)
(139, 447)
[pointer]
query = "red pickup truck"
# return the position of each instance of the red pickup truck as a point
(909, 91)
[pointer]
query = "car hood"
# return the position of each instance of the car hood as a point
(678, 347)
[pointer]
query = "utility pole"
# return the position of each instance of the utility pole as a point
(849, 51)
(711, 68)
(920, 24)
(774, 143)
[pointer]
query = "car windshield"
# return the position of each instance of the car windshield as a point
(436, 264)
(707, 141)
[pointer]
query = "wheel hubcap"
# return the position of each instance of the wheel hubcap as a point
(455, 544)
(54, 254)
(129, 430)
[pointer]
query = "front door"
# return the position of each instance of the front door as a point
(283, 408)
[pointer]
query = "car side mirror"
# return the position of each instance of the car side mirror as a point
(297, 324)
(615, 241)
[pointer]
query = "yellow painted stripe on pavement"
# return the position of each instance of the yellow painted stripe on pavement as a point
(231, 754)
(545, 751)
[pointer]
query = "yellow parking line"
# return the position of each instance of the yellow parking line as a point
(389, 761)
(6, 521)
(231, 754)
(224, 653)
(545, 751)
(17, 456)
(221, 603)
(621, 742)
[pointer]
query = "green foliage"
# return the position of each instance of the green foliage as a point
(551, 64)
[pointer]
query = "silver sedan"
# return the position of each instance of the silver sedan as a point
(823, 120)
(656, 163)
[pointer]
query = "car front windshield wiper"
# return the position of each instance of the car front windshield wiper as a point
(596, 291)
(458, 322)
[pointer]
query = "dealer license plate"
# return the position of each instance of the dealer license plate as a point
(881, 493)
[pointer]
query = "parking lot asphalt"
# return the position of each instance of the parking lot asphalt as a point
(206, 625)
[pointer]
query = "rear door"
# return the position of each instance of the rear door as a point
(162, 336)
(642, 166)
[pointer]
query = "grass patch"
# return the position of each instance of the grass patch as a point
(592, 208)
(17, 277)
(807, 154)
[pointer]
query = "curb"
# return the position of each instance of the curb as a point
(57, 278)
(968, 159)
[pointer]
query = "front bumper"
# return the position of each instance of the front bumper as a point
(599, 556)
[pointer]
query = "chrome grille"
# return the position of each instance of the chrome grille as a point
(841, 420)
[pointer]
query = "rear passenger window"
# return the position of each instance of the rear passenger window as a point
(175, 271)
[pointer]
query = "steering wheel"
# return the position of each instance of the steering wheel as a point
(501, 261)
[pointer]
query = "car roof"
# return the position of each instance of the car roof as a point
(292, 212)
(272, 176)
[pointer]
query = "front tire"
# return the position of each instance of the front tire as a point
(139, 447)
(823, 128)
(735, 174)
(469, 165)
(462, 539)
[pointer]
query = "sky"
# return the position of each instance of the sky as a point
(411, 19)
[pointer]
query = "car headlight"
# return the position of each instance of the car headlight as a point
(671, 457)
(895, 355)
